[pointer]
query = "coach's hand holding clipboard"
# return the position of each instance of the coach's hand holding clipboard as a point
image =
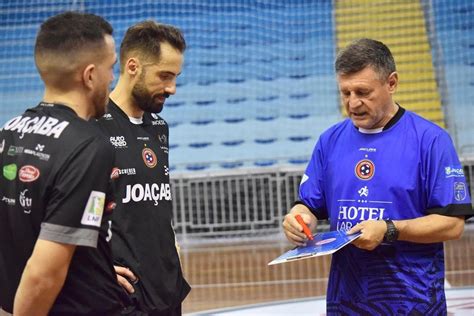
(309, 245)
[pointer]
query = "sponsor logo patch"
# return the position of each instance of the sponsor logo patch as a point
(14, 150)
(453, 172)
(38, 154)
(158, 122)
(116, 172)
(364, 191)
(25, 201)
(163, 139)
(28, 173)
(365, 169)
(92, 215)
(8, 201)
(459, 191)
(9, 171)
(118, 141)
(149, 157)
(110, 207)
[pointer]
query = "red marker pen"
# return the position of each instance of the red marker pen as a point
(306, 230)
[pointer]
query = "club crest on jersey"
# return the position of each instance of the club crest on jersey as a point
(365, 169)
(149, 157)
(459, 191)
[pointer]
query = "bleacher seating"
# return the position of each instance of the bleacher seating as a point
(258, 85)
(454, 26)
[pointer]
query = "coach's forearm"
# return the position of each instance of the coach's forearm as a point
(431, 228)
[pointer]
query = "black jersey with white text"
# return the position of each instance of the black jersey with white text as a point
(143, 237)
(55, 171)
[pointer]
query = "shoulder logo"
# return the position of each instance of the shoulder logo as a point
(92, 215)
(28, 173)
(9, 171)
(149, 157)
(304, 179)
(365, 169)
(2, 145)
(163, 139)
(459, 191)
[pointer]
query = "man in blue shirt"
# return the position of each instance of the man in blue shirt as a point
(391, 175)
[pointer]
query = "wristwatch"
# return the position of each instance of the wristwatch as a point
(392, 232)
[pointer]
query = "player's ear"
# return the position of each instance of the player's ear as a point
(88, 76)
(392, 82)
(132, 66)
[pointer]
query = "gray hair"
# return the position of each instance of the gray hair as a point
(362, 53)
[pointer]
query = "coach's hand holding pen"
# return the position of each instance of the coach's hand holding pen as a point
(306, 230)
(299, 231)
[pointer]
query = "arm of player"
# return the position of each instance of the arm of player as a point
(431, 228)
(42, 278)
(293, 230)
(426, 229)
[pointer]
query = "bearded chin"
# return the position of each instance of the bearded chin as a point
(146, 102)
(153, 107)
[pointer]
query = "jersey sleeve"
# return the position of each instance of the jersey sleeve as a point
(311, 191)
(448, 193)
(76, 198)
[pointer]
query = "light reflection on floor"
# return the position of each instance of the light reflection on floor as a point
(460, 303)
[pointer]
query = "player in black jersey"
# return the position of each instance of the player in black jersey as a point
(54, 252)
(143, 243)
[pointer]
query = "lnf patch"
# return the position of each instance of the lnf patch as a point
(459, 191)
(94, 209)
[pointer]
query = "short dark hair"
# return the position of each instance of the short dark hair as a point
(362, 53)
(71, 31)
(145, 39)
(65, 42)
